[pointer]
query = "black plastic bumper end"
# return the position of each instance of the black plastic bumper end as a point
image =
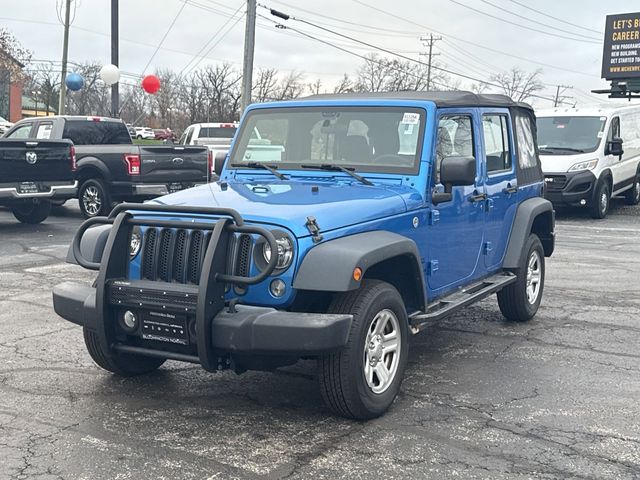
(75, 303)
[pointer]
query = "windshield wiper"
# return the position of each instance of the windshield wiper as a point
(565, 149)
(264, 166)
(332, 167)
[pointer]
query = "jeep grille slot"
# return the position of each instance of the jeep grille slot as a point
(244, 255)
(164, 256)
(149, 253)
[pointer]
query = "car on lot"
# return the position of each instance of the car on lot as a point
(164, 134)
(145, 133)
(378, 215)
(110, 168)
(4, 125)
(589, 155)
(35, 173)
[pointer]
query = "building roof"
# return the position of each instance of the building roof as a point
(29, 103)
(441, 99)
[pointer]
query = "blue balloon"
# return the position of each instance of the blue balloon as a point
(74, 81)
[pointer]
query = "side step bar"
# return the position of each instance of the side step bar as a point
(456, 301)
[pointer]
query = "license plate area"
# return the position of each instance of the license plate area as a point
(175, 187)
(165, 327)
(28, 187)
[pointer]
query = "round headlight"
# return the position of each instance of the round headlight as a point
(136, 242)
(285, 252)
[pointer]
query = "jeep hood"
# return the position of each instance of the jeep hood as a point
(289, 203)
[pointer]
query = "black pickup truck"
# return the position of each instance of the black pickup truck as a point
(111, 169)
(33, 173)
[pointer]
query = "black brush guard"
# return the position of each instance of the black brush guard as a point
(210, 292)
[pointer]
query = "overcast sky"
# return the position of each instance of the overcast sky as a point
(474, 43)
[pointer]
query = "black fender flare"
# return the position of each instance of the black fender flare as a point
(95, 163)
(523, 224)
(605, 176)
(329, 266)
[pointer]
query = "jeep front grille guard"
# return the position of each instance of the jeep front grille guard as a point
(210, 291)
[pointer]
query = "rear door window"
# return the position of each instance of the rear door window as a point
(496, 142)
(44, 130)
(89, 132)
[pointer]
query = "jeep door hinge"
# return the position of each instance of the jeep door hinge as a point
(314, 229)
(488, 247)
(434, 217)
(489, 204)
(432, 267)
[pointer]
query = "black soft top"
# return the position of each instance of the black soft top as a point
(441, 99)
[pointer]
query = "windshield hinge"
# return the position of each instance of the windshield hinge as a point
(314, 229)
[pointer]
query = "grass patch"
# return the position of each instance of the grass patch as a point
(146, 141)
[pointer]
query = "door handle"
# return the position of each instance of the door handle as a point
(510, 189)
(477, 197)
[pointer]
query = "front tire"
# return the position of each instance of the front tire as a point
(520, 300)
(632, 196)
(93, 198)
(601, 201)
(123, 364)
(363, 379)
(32, 213)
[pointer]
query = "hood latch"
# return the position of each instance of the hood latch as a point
(314, 229)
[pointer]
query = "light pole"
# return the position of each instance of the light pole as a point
(36, 94)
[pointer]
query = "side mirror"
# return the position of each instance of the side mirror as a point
(218, 163)
(614, 147)
(455, 171)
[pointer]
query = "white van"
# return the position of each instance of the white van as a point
(589, 155)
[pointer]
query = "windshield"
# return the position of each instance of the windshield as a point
(569, 135)
(367, 139)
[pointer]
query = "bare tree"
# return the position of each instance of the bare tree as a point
(12, 54)
(45, 82)
(265, 85)
(290, 87)
(518, 84)
(315, 87)
(345, 85)
(220, 88)
(94, 97)
(134, 102)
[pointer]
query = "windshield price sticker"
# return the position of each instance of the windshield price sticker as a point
(410, 118)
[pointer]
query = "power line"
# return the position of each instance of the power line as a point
(369, 59)
(166, 34)
(555, 18)
(448, 36)
(520, 25)
(206, 45)
(502, 9)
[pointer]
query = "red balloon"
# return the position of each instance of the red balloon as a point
(151, 84)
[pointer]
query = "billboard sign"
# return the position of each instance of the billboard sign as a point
(621, 57)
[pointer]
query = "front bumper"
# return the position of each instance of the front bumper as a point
(572, 188)
(52, 190)
(247, 330)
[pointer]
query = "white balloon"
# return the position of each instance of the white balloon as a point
(110, 74)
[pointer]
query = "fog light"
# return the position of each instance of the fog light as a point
(129, 321)
(277, 287)
(583, 202)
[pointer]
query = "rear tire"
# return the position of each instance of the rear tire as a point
(93, 198)
(601, 201)
(520, 300)
(32, 213)
(125, 365)
(632, 196)
(362, 380)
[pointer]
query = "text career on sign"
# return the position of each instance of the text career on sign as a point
(622, 29)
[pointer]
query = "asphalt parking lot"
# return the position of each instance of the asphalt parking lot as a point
(554, 398)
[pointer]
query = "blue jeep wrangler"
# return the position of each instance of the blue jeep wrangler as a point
(340, 225)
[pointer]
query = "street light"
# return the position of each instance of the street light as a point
(35, 94)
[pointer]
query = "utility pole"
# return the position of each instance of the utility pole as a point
(428, 42)
(65, 52)
(115, 95)
(249, 44)
(559, 98)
